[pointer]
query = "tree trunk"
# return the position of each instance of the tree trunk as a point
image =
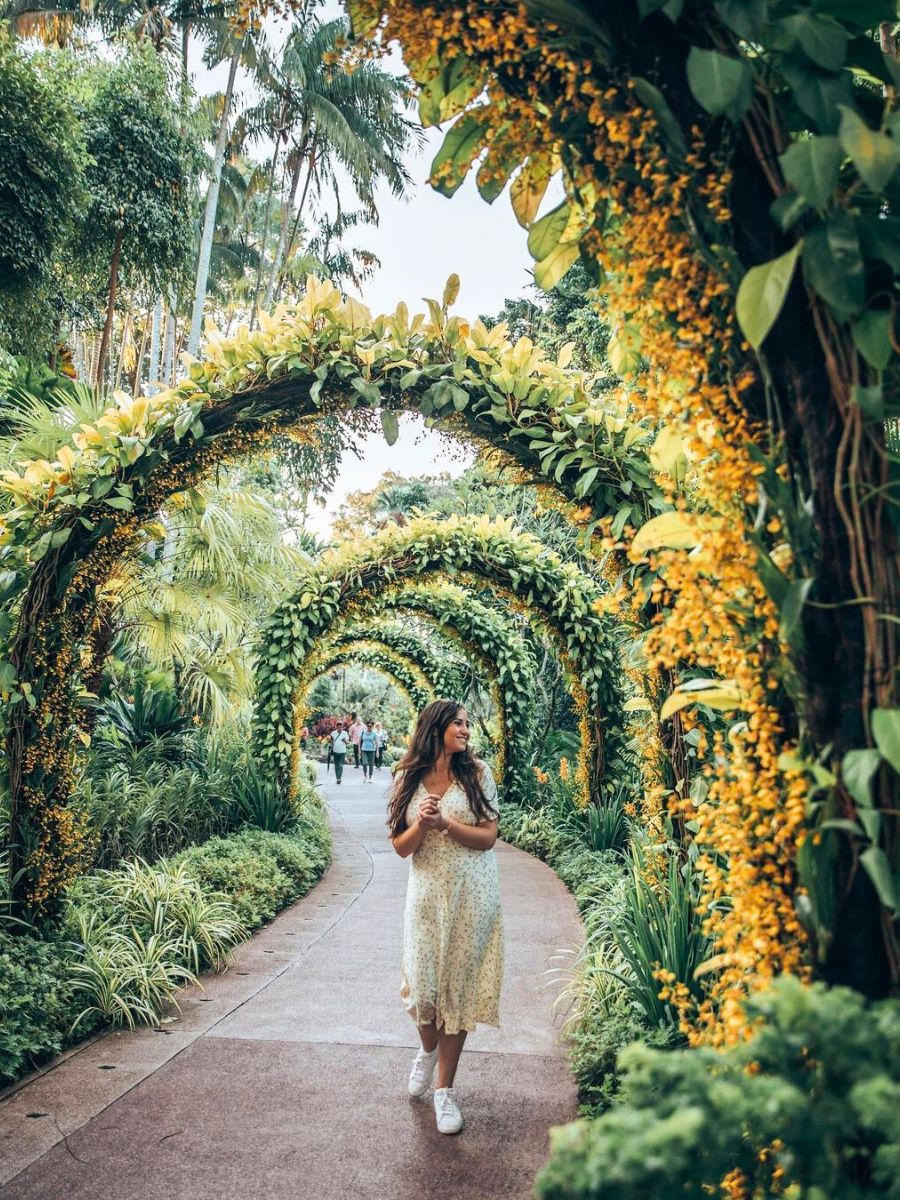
(168, 363)
(290, 246)
(265, 235)
(285, 224)
(153, 368)
(136, 383)
(212, 204)
(110, 307)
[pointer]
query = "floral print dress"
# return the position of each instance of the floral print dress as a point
(453, 925)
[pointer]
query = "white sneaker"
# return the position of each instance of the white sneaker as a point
(422, 1071)
(449, 1118)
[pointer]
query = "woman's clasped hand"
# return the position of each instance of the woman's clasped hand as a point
(430, 813)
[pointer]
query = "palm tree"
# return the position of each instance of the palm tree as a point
(328, 113)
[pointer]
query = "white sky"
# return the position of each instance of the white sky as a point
(420, 242)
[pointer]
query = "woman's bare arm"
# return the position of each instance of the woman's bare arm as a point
(477, 837)
(409, 840)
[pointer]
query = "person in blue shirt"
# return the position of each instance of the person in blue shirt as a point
(368, 744)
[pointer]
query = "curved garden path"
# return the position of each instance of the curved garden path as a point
(286, 1076)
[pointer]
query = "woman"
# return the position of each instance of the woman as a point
(443, 812)
(340, 740)
(382, 742)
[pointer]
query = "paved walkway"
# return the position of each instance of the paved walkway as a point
(285, 1077)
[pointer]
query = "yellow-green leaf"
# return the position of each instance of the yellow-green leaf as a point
(670, 531)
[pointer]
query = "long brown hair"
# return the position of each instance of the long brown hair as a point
(427, 742)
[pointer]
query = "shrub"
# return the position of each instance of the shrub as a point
(37, 1005)
(807, 1108)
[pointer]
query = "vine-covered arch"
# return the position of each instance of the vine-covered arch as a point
(493, 550)
(401, 668)
(490, 639)
(445, 672)
(501, 652)
(75, 516)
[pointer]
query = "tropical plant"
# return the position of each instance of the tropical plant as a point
(806, 1107)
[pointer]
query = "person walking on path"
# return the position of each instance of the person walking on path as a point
(380, 745)
(368, 744)
(355, 731)
(443, 815)
(340, 740)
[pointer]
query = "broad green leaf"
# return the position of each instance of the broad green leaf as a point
(449, 90)
(550, 270)
(638, 704)
(451, 291)
(792, 608)
(545, 234)
(670, 531)
(817, 94)
(886, 732)
(812, 168)
(747, 18)
(667, 450)
(870, 400)
(819, 36)
(872, 337)
(390, 425)
(761, 295)
(833, 264)
(457, 153)
(529, 186)
(878, 868)
(875, 155)
(857, 769)
(720, 84)
(624, 350)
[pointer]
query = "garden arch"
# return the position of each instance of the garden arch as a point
(75, 516)
(493, 550)
(446, 674)
(488, 637)
(403, 670)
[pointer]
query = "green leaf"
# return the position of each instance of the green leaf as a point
(121, 502)
(747, 18)
(792, 608)
(449, 90)
(820, 38)
(451, 291)
(875, 155)
(545, 234)
(761, 295)
(812, 168)
(870, 400)
(872, 337)
(833, 265)
(550, 270)
(818, 94)
(390, 425)
(878, 869)
(857, 769)
(459, 149)
(651, 97)
(720, 84)
(886, 732)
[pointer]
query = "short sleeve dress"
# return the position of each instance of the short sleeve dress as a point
(453, 924)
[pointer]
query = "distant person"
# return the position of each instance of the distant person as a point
(340, 740)
(381, 744)
(355, 731)
(443, 817)
(368, 744)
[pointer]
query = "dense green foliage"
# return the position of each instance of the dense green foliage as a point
(41, 191)
(807, 1108)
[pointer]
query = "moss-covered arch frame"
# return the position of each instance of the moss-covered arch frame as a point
(503, 656)
(489, 639)
(446, 672)
(564, 596)
(73, 517)
(399, 667)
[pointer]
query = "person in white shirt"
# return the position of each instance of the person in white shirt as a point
(340, 740)
(355, 731)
